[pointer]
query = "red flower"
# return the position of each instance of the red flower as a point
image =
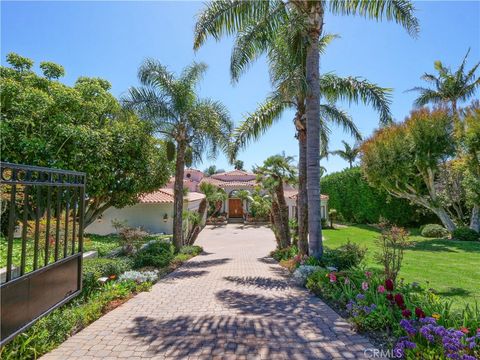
(419, 313)
(464, 330)
(406, 313)
(389, 284)
(390, 297)
(399, 300)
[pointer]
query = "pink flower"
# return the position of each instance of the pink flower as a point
(464, 330)
(368, 274)
(332, 277)
(364, 286)
(347, 280)
(381, 289)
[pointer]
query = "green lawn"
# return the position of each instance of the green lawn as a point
(450, 267)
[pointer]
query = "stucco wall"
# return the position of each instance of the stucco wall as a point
(147, 216)
(291, 203)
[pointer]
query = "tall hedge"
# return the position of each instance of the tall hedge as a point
(356, 201)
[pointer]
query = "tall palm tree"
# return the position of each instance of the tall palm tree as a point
(275, 172)
(287, 73)
(190, 125)
(449, 87)
(262, 20)
(348, 153)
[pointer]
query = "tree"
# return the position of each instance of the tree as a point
(404, 159)
(214, 197)
(189, 124)
(449, 87)
(275, 172)
(82, 128)
(238, 165)
(261, 21)
(349, 153)
(287, 72)
(212, 169)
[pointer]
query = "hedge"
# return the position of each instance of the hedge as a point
(358, 202)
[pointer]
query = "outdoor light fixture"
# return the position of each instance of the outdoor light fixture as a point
(165, 217)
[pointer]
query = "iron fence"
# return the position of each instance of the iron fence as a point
(42, 213)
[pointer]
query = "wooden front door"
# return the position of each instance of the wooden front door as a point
(235, 208)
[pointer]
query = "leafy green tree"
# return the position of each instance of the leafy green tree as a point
(260, 23)
(52, 70)
(83, 128)
(214, 197)
(448, 87)
(348, 153)
(404, 159)
(212, 169)
(275, 172)
(192, 126)
(238, 165)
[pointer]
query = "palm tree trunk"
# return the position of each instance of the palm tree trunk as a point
(178, 196)
(302, 205)
(315, 19)
(283, 210)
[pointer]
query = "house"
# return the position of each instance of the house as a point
(153, 212)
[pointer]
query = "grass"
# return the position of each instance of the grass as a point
(450, 267)
(103, 244)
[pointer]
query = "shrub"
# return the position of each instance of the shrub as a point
(93, 269)
(358, 202)
(392, 242)
(131, 239)
(301, 273)
(344, 257)
(433, 231)
(191, 250)
(324, 223)
(139, 277)
(465, 234)
(157, 254)
(284, 254)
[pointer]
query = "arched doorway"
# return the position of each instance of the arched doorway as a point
(235, 205)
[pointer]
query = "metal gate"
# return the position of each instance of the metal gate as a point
(42, 214)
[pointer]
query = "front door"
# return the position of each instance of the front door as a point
(235, 208)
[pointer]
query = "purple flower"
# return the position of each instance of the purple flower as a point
(349, 305)
(468, 357)
(428, 320)
(425, 332)
(408, 327)
(401, 345)
(360, 297)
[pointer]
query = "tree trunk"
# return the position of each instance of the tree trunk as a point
(193, 233)
(283, 210)
(178, 196)
(444, 218)
(315, 19)
(302, 206)
(275, 220)
(475, 218)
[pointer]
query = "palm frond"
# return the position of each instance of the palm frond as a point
(331, 113)
(400, 11)
(193, 74)
(353, 89)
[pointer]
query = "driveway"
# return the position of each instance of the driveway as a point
(231, 302)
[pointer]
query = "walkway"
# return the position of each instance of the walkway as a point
(231, 302)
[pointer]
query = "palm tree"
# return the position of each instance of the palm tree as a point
(214, 196)
(276, 171)
(190, 125)
(449, 87)
(287, 72)
(260, 22)
(348, 153)
(238, 165)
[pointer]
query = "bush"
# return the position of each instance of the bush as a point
(301, 273)
(93, 269)
(433, 231)
(193, 250)
(284, 254)
(358, 202)
(131, 239)
(157, 254)
(139, 277)
(392, 243)
(325, 223)
(465, 234)
(344, 257)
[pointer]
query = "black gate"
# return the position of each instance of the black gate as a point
(42, 214)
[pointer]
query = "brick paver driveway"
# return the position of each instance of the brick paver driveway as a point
(230, 302)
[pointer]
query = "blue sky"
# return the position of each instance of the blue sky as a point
(110, 40)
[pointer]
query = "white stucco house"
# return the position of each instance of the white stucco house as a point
(154, 211)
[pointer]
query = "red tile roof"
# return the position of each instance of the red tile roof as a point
(165, 195)
(229, 183)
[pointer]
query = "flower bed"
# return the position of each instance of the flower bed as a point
(417, 322)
